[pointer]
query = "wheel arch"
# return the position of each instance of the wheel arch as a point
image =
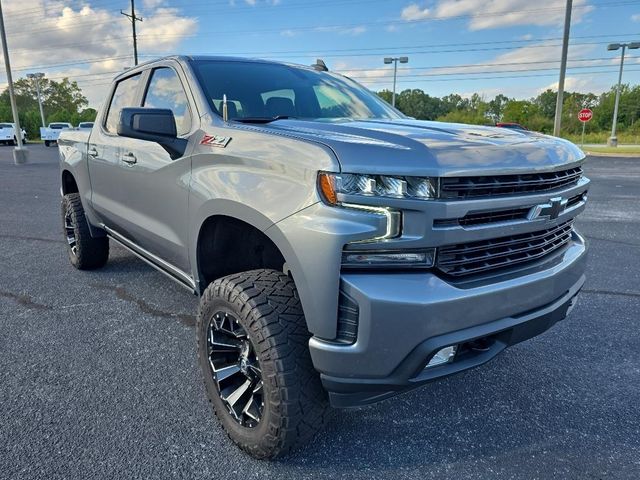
(68, 183)
(290, 263)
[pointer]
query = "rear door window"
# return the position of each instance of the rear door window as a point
(124, 96)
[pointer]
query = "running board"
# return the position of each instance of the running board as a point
(156, 262)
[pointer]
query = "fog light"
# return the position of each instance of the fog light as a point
(388, 259)
(443, 356)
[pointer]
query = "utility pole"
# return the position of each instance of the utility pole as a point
(19, 153)
(132, 16)
(37, 77)
(395, 61)
(563, 69)
(613, 140)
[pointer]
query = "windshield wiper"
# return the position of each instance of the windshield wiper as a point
(262, 119)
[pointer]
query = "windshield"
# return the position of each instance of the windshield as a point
(58, 126)
(6, 125)
(86, 125)
(269, 90)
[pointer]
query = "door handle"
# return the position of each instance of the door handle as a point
(129, 158)
(92, 152)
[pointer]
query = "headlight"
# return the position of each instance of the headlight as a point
(332, 184)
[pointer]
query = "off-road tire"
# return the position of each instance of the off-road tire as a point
(266, 304)
(89, 252)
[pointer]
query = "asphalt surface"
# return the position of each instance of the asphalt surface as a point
(98, 377)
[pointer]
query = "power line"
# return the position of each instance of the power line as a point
(338, 26)
(314, 52)
(611, 68)
(388, 22)
(474, 65)
(462, 79)
(382, 51)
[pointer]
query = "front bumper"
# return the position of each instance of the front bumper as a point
(405, 318)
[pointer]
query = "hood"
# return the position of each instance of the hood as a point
(414, 147)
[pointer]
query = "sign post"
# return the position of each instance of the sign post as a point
(584, 116)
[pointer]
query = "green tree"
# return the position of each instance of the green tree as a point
(62, 101)
(496, 107)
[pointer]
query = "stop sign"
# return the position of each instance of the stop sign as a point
(585, 115)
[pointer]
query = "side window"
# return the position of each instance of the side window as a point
(165, 91)
(124, 96)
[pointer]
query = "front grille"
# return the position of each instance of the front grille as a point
(497, 216)
(494, 185)
(500, 253)
(483, 218)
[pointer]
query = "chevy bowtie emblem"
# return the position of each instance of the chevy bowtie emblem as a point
(552, 209)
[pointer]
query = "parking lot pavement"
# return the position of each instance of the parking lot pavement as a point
(98, 376)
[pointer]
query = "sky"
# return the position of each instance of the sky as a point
(454, 46)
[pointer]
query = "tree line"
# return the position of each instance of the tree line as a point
(535, 114)
(62, 101)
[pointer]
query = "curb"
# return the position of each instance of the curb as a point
(621, 154)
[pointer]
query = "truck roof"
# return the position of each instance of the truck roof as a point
(198, 58)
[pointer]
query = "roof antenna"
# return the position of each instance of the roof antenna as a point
(320, 65)
(225, 112)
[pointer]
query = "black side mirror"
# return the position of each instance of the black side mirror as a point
(154, 125)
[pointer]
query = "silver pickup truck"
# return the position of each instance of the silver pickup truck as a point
(343, 252)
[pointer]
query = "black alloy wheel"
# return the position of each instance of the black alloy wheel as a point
(235, 369)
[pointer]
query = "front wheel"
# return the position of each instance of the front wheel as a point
(47, 143)
(254, 354)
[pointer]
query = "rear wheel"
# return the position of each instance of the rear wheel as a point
(14, 142)
(47, 143)
(85, 252)
(254, 354)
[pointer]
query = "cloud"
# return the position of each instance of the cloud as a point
(288, 33)
(487, 14)
(539, 55)
(414, 12)
(353, 31)
(570, 84)
(376, 78)
(61, 33)
(636, 17)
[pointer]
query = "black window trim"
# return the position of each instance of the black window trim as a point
(137, 100)
(147, 84)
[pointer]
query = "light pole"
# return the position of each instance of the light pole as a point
(36, 77)
(19, 153)
(395, 60)
(613, 140)
(557, 121)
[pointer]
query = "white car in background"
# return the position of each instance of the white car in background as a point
(51, 133)
(8, 134)
(85, 125)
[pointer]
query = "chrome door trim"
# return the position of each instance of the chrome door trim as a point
(159, 264)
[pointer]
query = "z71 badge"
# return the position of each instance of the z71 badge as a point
(215, 141)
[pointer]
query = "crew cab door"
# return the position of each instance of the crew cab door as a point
(146, 200)
(104, 154)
